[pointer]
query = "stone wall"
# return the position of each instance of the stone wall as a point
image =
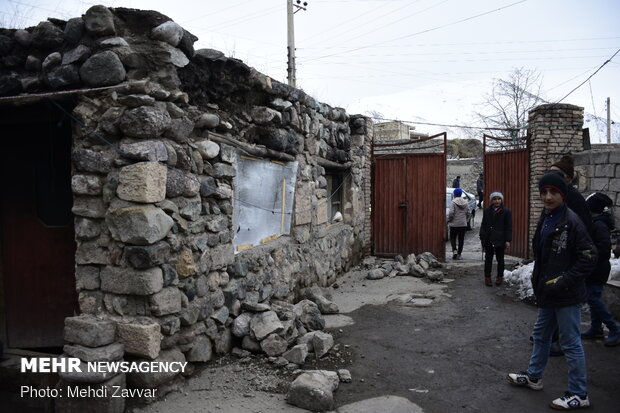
(555, 129)
(599, 171)
(156, 138)
(467, 169)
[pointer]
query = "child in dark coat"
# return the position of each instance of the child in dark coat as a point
(564, 256)
(495, 236)
(599, 205)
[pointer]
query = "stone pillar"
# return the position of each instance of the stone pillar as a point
(555, 129)
(367, 176)
(361, 145)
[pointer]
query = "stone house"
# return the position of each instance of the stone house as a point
(154, 193)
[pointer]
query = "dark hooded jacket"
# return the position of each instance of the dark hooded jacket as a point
(563, 261)
(496, 227)
(576, 202)
(601, 236)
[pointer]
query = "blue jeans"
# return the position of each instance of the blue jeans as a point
(599, 314)
(568, 320)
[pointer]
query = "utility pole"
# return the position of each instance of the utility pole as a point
(608, 120)
(291, 9)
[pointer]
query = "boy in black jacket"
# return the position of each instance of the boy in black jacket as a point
(602, 223)
(495, 236)
(564, 255)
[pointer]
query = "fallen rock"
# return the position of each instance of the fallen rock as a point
(434, 275)
(375, 274)
(297, 354)
(263, 324)
(316, 295)
(430, 259)
(322, 342)
(313, 390)
(309, 315)
(345, 376)
(274, 345)
(417, 270)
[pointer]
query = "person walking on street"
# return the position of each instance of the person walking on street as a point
(457, 221)
(457, 182)
(565, 167)
(599, 204)
(564, 256)
(480, 190)
(495, 236)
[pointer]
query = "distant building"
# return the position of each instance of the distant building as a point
(396, 130)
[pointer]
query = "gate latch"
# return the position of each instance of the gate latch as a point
(402, 205)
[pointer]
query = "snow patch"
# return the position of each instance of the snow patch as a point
(521, 277)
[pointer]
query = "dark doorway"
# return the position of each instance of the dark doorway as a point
(37, 235)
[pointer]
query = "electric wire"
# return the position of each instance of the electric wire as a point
(338, 29)
(590, 77)
(366, 31)
(423, 31)
(486, 43)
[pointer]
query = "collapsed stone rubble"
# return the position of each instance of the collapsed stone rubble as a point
(424, 265)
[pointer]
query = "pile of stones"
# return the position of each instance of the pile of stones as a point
(424, 265)
(286, 333)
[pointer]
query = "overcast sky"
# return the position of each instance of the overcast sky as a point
(416, 60)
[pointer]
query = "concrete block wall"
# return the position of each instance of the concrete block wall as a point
(599, 171)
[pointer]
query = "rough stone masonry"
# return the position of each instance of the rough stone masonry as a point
(157, 132)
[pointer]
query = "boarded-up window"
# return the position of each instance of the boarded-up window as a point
(334, 193)
(264, 194)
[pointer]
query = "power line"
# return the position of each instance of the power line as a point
(350, 21)
(493, 52)
(590, 77)
(506, 59)
(592, 98)
(477, 43)
(211, 13)
(425, 31)
(366, 31)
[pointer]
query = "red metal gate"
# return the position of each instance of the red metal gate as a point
(507, 169)
(409, 197)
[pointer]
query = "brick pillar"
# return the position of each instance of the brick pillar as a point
(555, 129)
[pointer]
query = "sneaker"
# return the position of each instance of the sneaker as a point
(499, 281)
(522, 379)
(570, 401)
(488, 282)
(613, 339)
(458, 257)
(454, 254)
(592, 334)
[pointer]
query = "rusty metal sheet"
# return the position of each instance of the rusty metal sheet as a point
(409, 202)
(508, 171)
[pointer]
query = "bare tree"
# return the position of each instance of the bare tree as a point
(508, 104)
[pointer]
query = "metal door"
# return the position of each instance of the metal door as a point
(507, 169)
(409, 197)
